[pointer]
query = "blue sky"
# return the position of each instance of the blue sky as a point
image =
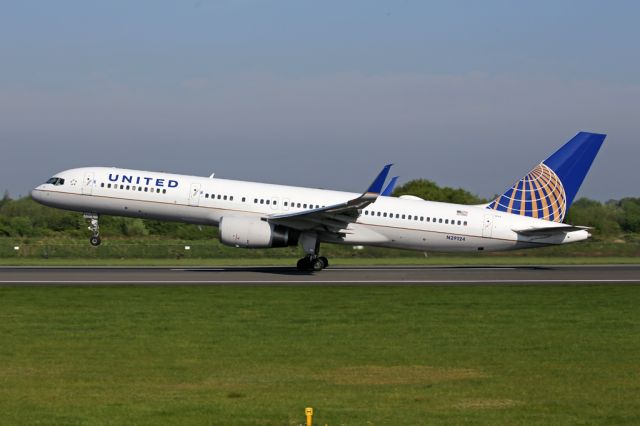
(465, 93)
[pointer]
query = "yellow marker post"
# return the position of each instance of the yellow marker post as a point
(309, 413)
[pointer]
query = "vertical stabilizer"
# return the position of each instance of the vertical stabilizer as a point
(548, 190)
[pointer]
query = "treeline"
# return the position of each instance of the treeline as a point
(26, 218)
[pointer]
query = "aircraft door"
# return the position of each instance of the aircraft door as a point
(87, 183)
(194, 194)
(487, 227)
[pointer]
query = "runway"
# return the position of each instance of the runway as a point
(383, 275)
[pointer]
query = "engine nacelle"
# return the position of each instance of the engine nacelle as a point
(249, 232)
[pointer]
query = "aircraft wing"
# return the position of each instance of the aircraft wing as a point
(335, 217)
(551, 230)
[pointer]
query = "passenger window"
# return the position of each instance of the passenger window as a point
(255, 201)
(304, 205)
(384, 214)
(268, 201)
(206, 195)
(465, 223)
(439, 220)
(219, 196)
(164, 191)
(403, 216)
(157, 190)
(261, 201)
(225, 197)
(139, 189)
(397, 216)
(128, 187)
(243, 199)
(298, 205)
(108, 185)
(231, 198)
(409, 217)
(459, 222)
(146, 189)
(446, 221)
(378, 214)
(102, 185)
(286, 204)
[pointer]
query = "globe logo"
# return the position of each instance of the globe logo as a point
(539, 194)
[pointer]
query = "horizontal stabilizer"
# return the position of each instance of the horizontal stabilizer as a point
(550, 230)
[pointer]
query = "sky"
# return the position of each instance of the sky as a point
(323, 94)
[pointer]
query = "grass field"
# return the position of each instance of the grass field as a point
(358, 355)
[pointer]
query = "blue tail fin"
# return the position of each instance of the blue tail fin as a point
(549, 189)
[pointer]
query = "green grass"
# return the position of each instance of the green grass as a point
(358, 355)
(354, 261)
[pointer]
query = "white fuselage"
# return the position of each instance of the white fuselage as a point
(388, 222)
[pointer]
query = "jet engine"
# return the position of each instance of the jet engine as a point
(250, 232)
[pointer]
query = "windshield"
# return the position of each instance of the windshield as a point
(56, 181)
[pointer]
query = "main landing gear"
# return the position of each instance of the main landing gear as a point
(311, 262)
(94, 240)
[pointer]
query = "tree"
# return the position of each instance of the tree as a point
(5, 198)
(602, 217)
(430, 191)
(630, 217)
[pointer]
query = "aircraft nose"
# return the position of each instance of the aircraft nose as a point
(37, 194)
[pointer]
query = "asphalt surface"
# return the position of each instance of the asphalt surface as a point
(428, 275)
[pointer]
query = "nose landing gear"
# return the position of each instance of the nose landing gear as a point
(94, 240)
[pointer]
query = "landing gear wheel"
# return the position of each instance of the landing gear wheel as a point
(314, 264)
(303, 264)
(95, 241)
(325, 262)
(317, 264)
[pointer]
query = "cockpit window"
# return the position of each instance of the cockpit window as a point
(56, 181)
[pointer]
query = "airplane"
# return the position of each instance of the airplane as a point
(260, 215)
